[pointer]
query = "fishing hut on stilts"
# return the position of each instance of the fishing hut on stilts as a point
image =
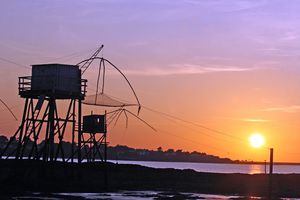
(53, 89)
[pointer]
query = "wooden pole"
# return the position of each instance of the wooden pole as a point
(79, 131)
(271, 161)
(270, 175)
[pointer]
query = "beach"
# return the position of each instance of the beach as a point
(23, 176)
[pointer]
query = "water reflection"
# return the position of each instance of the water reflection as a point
(256, 169)
(217, 167)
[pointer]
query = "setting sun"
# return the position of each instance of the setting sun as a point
(256, 140)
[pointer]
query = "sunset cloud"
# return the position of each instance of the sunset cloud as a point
(189, 69)
(229, 6)
(255, 120)
(288, 109)
(251, 120)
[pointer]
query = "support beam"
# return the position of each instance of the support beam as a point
(79, 131)
(51, 127)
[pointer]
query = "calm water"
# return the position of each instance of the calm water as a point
(218, 168)
(213, 167)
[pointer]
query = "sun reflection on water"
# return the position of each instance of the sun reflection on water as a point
(256, 169)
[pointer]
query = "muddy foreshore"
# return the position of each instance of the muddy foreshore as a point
(22, 176)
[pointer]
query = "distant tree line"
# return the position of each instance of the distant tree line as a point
(121, 152)
(126, 153)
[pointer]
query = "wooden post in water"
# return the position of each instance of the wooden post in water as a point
(271, 161)
(270, 174)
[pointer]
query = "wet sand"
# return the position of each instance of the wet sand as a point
(19, 176)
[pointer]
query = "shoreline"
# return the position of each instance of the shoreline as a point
(20, 176)
(238, 163)
(169, 161)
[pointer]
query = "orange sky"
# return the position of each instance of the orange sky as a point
(229, 66)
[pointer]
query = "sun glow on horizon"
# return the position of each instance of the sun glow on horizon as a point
(256, 140)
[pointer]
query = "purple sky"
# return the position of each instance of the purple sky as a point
(161, 36)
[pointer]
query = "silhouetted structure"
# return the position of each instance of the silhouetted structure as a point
(94, 135)
(42, 124)
(49, 84)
